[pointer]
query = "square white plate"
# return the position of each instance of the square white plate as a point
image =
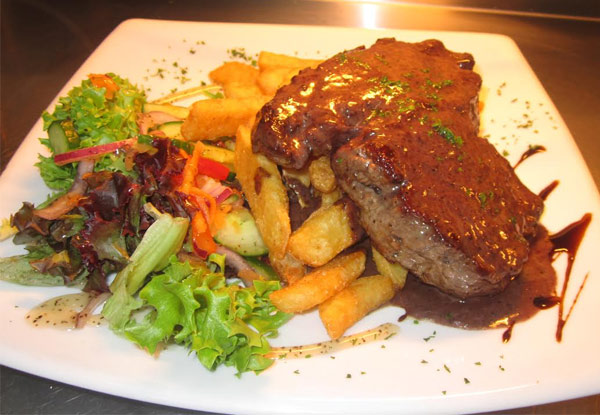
(404, 374)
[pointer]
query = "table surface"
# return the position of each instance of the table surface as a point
(43, 43)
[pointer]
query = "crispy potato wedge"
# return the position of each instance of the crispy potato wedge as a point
(396, 272)
(265, 192)
(270, 80)
(320, 284)
(347, 307)
(210, 119)
(234, 72)
(300, 175)
(327, 232)
(328, 199)
(241, 90)
(288, 268)
(321, 175)
(269, 60)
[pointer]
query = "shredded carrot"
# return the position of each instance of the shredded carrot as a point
(210, 216)
(190, 170)
(106, 82)
(201, 236)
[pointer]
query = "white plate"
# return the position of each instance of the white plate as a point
(386, 377)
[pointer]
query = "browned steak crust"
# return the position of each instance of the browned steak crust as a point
(400, 122)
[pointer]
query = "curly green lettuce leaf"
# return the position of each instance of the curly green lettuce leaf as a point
(55, 177)
(87, 118)
(16, 269)
(224, 324)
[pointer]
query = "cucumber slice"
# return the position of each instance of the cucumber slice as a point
(179, 112)
(262, 269)
(172, 129)
(220, 154)
(58, 138)
(241, 235)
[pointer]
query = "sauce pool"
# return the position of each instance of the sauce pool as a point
(62, 312)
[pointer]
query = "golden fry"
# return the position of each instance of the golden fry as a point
(270, 80)
(288, 268)
(241, 90)
(328, 199)
(265, 192)
(269, 60)
(234, 72)
(321, 175)
(320, 284)
(395, 271)
(211, 119)
(347, 307)
(326, 233)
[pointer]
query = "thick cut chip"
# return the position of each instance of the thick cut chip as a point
(321, 175)
(211, 119)
(320, 284)
(364, 295)
(326, 233)
(395, 271)
(240, 90)
(265, 192)
(269, 60)
(270, 80)
(234, 72)
(288, 268)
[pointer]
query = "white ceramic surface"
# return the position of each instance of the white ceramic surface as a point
(385, 377)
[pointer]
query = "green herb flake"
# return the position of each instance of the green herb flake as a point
(467, 381)
(447, 369)
(447, 134)
(430, 337)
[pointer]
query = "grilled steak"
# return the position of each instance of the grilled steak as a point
(400, 123)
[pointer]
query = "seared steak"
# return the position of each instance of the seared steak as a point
(400, 122)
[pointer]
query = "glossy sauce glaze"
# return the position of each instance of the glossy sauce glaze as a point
(532, 290)
(515, 303)
(566, 241)
(532, 150)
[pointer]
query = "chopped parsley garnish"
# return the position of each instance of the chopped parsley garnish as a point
(342, 57)
(447, 134)
(439, 85)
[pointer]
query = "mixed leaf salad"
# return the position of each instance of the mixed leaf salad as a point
(163, 214)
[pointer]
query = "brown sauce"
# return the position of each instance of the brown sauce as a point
(532, 150)
(548, 189)
(521, 300)
(566, 241)
(514, 304)
(61, 312)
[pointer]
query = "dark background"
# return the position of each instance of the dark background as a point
(44, 42)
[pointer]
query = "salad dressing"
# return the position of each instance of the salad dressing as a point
(381, 332)
(61, 312)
